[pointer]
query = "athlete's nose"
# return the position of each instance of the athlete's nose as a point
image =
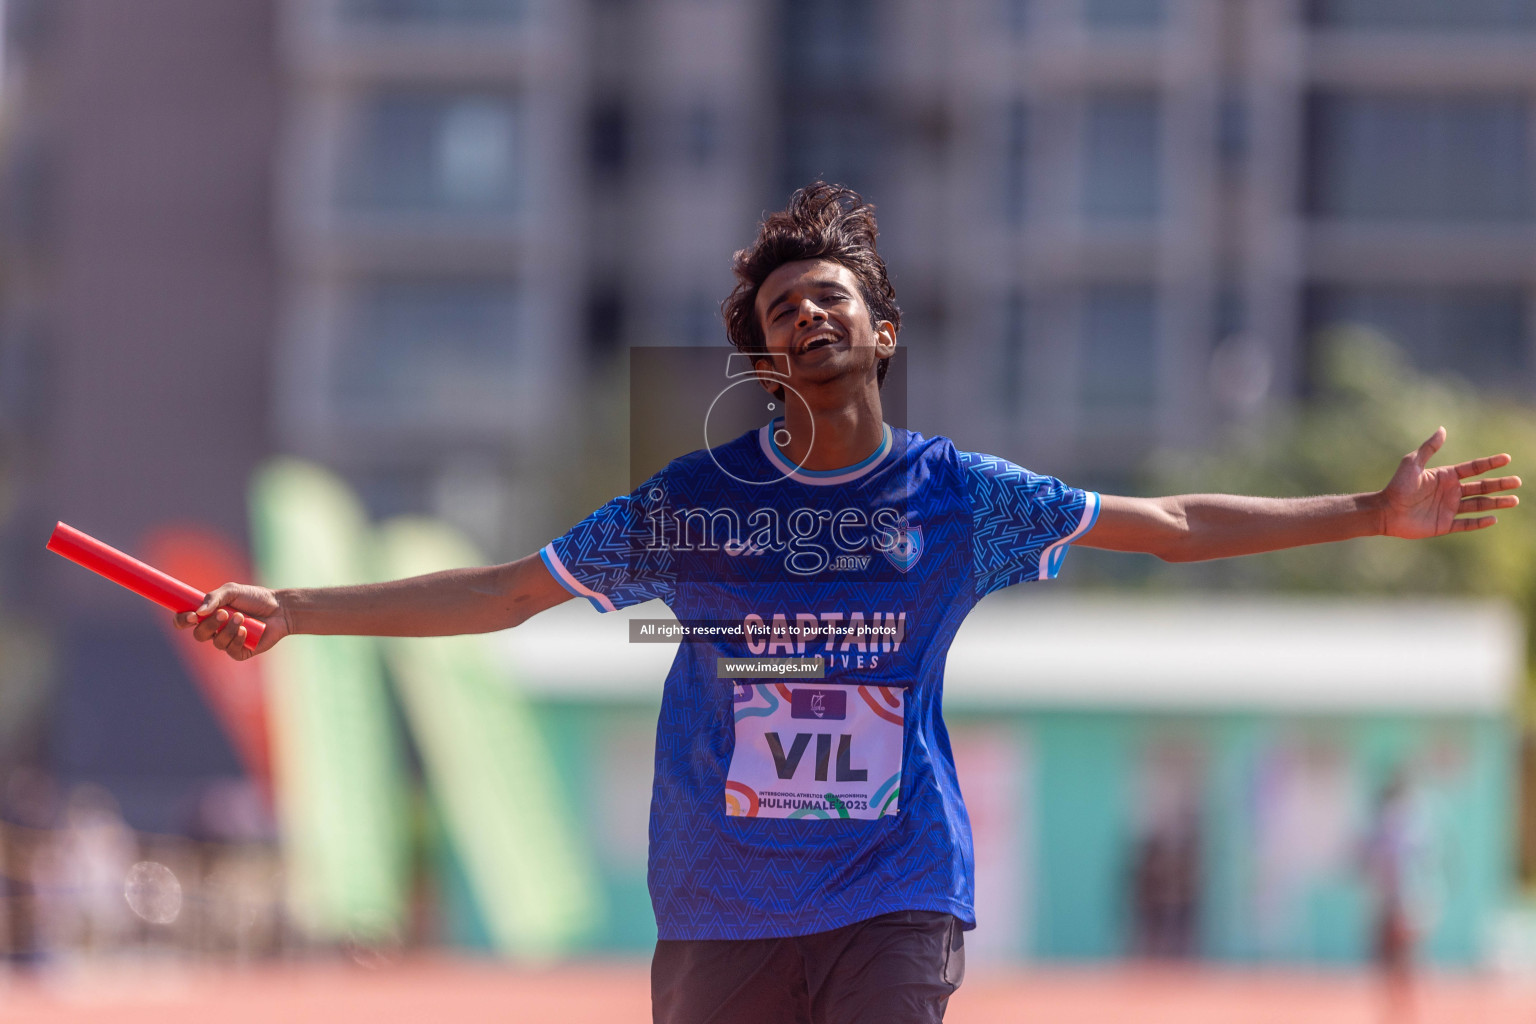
(810, 313)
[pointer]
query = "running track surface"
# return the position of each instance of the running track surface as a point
(421, 992)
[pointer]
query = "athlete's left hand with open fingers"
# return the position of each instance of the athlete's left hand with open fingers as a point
(1425, 501)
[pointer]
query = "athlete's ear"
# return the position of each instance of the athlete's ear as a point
(885, 339)
(768, 377)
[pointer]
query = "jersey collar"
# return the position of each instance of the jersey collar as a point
(821, 477)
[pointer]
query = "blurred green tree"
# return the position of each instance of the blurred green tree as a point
(1369, 408)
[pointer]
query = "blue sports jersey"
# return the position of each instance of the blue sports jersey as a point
(785, 806)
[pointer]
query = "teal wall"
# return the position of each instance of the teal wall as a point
(1077, 814)
(1084, 785)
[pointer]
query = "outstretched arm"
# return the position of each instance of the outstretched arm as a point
(1419, 501)
(477, 600)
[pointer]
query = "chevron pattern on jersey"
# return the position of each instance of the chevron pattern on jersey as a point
(719, 877)
(1016, 515)
(613, 550)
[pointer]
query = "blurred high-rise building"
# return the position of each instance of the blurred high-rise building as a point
(1124, 222)
(1113, 224)
(137, 293)
(482, 202)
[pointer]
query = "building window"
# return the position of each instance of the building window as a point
(32, 183)
(701, 134)
(605, 319)
(1230, 317)
(1478, 333)
(27, 25)
(1439, 15)
(1016, 17)
(696, 319)
(1016, 162)
(1117, 14)
(1122, 174)
(434, 12)
(1119, 350)
(828, 42)
(1233, 130)
(1010, 365)
(1456, 158)
(431, 348)
(829, 98)
(608, 137)
(437, 150)
(28, 377)
(833, 141)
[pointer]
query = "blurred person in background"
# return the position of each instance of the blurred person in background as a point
(1166, 868)
(1399, 859)
(1165, 889)
(850, 913)
(93, 851)
(31, 806)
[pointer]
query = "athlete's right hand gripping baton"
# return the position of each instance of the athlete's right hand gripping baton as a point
(144, 580)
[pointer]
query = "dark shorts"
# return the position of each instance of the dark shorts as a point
(897, 968)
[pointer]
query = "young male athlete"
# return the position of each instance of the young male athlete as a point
(810, 855)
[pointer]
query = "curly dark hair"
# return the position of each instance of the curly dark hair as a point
(821, 222)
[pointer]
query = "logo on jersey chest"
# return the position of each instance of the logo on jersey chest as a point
(907, 545)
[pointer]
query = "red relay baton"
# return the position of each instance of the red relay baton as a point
(144, 580)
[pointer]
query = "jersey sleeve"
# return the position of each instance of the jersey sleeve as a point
(608, 557)
(1021, 522)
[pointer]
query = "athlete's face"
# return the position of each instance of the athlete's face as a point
(813, 312)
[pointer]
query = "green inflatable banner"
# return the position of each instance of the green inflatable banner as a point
(489, 768)
(336, 755)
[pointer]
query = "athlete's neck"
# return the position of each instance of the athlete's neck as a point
(846, 432)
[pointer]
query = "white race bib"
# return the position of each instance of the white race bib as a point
(812, 750)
